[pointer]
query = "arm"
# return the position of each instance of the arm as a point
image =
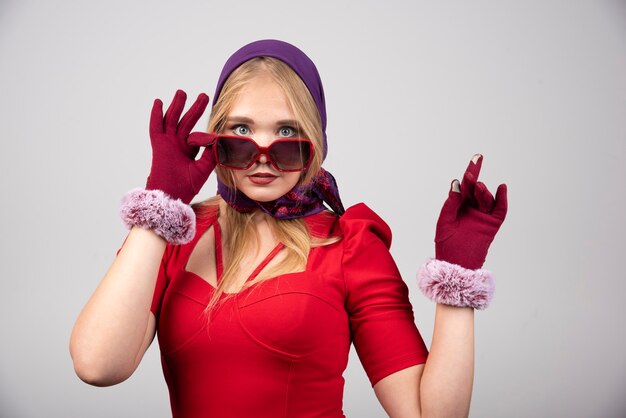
(446, 386)
(468, 223)
(116, 327)
(443, 386)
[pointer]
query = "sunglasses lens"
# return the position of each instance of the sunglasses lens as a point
(290, 155)
(235, 153)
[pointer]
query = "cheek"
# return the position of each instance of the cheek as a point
(292, 179)
(226, 176)
(238, 176)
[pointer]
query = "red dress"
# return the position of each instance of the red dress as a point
(279, 348)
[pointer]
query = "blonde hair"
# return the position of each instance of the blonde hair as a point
(241, 234)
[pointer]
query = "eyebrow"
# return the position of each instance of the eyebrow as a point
(244, 119)
(241, 119)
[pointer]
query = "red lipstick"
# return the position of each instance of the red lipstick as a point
(262, 178)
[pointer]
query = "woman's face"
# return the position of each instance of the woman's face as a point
(262, 113)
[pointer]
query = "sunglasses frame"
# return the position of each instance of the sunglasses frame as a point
(264, 150)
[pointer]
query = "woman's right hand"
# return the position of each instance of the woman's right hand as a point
(175, 169)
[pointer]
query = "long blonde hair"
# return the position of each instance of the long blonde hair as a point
(241, 234)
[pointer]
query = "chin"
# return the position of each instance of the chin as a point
(263, 197)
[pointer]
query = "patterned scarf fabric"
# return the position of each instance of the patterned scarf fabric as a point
(302, 200)
(299, 201)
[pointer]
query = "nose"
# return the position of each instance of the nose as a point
(262, 158)
(263, 140)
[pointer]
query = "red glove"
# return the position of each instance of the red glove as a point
(469, 220)
(175, 170)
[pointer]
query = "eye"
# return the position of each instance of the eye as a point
(241, 130)
(287, 131)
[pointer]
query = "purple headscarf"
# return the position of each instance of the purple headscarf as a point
(302, 200)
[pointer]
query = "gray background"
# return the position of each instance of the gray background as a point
(414, 88)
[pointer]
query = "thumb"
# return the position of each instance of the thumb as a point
(206, 163)
(201, 169)
(451, 206)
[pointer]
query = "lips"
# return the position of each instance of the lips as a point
(262, 178)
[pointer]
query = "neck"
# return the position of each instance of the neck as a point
(259, 217)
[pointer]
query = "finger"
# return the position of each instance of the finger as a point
(455, 186)
(206, 163)
(172, 115)
(484, 198)
(471, 176)
(475, 165)
(201, 139)
(467, 186)
(451, 206)
(156, 118)
(194, 113)
(501, 204)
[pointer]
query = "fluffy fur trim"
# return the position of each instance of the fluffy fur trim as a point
(152, 209)
(454, 285)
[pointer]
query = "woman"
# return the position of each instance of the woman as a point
(258, 292)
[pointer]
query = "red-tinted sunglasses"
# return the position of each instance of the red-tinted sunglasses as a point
(284, 154)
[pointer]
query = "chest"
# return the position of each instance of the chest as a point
(290, 315)
(208, 258)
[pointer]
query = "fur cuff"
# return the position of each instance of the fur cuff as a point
(454, 285)
(152, 209)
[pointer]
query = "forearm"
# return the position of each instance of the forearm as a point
(110, 334)
(446, 384)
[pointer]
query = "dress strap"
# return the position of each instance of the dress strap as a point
(219, 264)
(266, 261)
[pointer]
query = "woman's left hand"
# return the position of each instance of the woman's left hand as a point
(469, 219)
